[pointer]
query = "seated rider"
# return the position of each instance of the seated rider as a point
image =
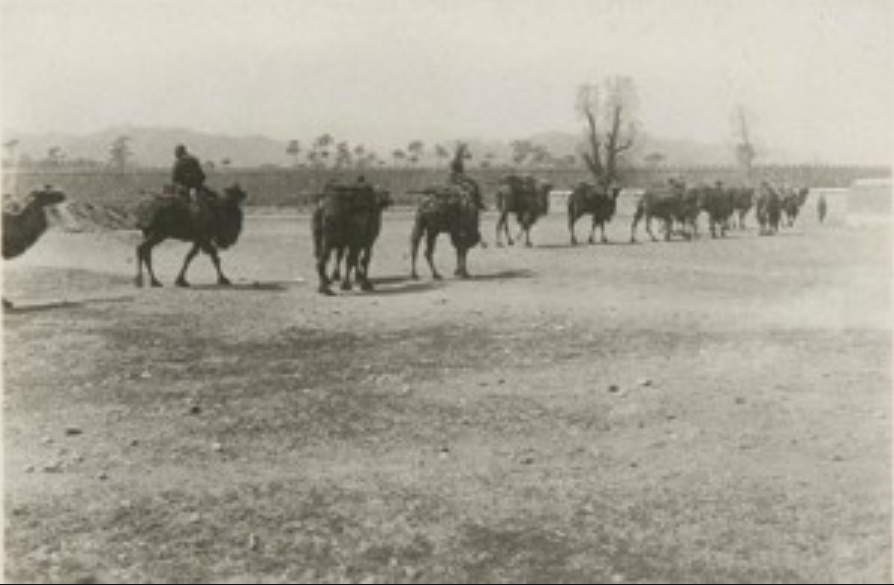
(458, 176)
(188, 176)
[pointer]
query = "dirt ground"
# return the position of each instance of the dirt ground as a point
(713, 411)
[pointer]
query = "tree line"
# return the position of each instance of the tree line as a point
(607, 112)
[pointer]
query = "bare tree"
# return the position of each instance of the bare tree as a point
(119, 152)
(540, 155)
(609, 113)
(654, 159)
(343, 156)
(294, 150)
(321, 146)
(745, 151)
(442, 152)
(521, 150)
(55, 156)
(10, 147)
(399, 156)
(416, 149)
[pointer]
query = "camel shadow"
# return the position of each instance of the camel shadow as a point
(503, 275)
(271, 286)
(405, 286)
(394, 279)
(40, 307)
(783, 234)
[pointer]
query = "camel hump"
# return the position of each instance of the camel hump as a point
(155, 204)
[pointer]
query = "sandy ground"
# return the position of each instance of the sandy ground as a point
(713, 411)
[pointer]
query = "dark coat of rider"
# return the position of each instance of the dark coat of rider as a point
(187, 172)
(458, 176)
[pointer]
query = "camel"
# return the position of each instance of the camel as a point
(769, 209)
(672, 204)
(600, 202)
(24, 224)
(210, 226)
(451, 209)
(528, 199)
(348, 219)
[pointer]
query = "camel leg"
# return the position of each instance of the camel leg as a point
(649, 229)
(365, 283)
(522, 230)
(461, 256)
(415, 238)
(339, 258)
(593, 231)
(507, 231)
(211, 250)
(637, 216)
(430, 242)
(144, 256)
(350, 267)
(528, 237)
(572, 219)
(323, 253)
(501, 223)
(138, 279)
(604, 239)
(181, 278)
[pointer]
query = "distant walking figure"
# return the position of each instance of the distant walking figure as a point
(821, 208)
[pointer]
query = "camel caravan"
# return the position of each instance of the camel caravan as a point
(347, 218)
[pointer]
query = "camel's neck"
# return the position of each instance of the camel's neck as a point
(33, 216)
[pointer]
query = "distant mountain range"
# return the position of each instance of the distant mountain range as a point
(154, 147)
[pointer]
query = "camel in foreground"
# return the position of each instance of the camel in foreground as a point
(24, 224)
(348, 220)
(528, 199)
(452, 209)
(212, 226)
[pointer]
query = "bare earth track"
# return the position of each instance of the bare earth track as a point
(716, 411)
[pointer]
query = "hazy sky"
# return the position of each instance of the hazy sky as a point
(817, 74)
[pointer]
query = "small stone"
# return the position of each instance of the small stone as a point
(73, 432)
(52, 468)
(529, 460)
(29, 469)
(46, 440)
(195, 409)
(644, 382)
(134, 442)
(102, 476)
(216, 447)
(740, 400)
(613, 388)
(254, 543)
(671, 417)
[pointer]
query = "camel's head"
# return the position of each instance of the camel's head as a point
(235, 194)
(46, 196)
